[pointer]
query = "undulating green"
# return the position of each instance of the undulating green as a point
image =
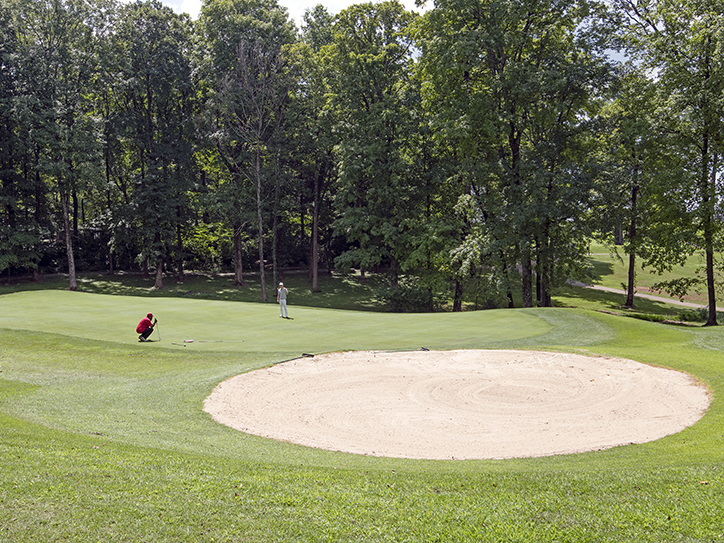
(104, 438)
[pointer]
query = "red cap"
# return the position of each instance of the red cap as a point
(150, 315)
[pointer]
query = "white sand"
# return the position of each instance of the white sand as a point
(459, 404)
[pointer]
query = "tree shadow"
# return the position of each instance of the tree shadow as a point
(597, 270)
(586, 298)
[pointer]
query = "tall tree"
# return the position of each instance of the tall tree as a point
(246, 73)
(157, 112)
(18, 231)
(521, 78)
(681, 42)
(58, 52)
(310, 126)
(372, 55)
(634, 151)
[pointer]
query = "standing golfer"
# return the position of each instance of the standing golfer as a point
(282, 299)
(145, 327)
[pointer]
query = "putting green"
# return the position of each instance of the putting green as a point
(234, 326)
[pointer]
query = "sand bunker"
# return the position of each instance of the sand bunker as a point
(459, 404)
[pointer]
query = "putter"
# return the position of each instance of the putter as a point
(157, 330)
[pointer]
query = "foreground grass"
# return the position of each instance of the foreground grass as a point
(103, 438)
(95, 491)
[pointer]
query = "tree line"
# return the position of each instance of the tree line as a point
(473, 150)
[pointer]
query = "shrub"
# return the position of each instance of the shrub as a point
(407, 298)
(648, 317)
(693, 315)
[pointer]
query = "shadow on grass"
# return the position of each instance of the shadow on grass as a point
(598, 269)
(336, 291)
(597, 300)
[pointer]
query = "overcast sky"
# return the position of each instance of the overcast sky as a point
(295, 8)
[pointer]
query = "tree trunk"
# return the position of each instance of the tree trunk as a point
(179, 247)
(260, 245)
(545, 267)
(709, 249)
(458, 297)
(394, 273)
(238, 275)
(275, 224)
(630, 289)
(547, 280)
(710, 288)
(38, 213)
(527, 277)
(75, 213)
(260, 219)
(618, 234)
(302, 223)
(158, 285)
(159, 275)
(314, 264)
(72, 283)
(508, 282)
(632, 249)
(708, 201)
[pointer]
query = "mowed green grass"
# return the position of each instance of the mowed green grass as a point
(229, 326)
(103, 438)
(610, 270)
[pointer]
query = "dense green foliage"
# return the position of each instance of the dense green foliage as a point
(475, 148)
(103, 438)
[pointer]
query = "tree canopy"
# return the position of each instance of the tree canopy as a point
(473, 151)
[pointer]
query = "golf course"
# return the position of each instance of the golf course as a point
(104, 438)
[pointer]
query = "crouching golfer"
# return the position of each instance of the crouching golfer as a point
(145, 327)
(282, 299)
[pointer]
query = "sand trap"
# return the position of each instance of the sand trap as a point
(459, 404)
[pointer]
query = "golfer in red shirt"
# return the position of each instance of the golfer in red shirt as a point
(145, 327)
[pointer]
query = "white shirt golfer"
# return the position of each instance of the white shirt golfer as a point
(282, 299)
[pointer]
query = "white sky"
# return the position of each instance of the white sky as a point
(295, 8)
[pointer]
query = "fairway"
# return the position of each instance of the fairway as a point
(104, 435)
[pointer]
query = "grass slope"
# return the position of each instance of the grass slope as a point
(228, 326)
(339, 291)
(103, 438)
(611, 270)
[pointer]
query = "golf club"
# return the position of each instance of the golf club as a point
(155, 325)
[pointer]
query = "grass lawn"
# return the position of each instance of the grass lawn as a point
(339, 291)
(103, 438)
(611, 270)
